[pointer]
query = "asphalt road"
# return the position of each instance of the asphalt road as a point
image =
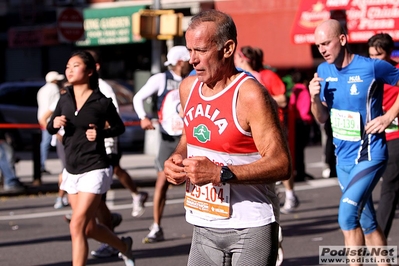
(33, 233)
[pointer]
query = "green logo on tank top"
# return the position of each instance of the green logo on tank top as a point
(202, 133)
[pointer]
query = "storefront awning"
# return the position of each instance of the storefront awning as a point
(363, 18)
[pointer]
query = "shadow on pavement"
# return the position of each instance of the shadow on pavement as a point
(313, 260)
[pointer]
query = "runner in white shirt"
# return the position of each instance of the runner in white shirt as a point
(104, 216)
(165, 85)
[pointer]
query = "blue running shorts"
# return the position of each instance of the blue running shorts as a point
(357, 182)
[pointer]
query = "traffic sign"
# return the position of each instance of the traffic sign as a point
(70, 24)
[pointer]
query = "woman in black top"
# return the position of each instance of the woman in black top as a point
(87, 117)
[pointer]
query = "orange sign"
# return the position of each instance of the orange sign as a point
(364, 18)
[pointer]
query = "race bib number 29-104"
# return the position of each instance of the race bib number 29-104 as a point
(209, 200)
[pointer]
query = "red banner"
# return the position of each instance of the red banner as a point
(34, 36)
(364, 18)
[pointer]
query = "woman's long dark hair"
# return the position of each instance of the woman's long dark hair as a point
(90, 64)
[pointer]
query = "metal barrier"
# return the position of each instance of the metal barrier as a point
(37, 175)
(37, 137)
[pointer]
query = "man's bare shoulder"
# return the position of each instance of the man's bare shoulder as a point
(251, 89)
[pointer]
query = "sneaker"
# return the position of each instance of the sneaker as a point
(155, 235)
(116, 219)
(326, 173)
(290, 205)
(104, 251)
(37, 183)
(14, 188)
(138, 204)
(58, 203)
(68, 217)
(65, 201)
(128, 255)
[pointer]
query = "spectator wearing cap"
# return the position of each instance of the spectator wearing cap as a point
(165, 85)
(46, 96)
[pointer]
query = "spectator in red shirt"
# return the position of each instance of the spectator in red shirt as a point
(381, 46)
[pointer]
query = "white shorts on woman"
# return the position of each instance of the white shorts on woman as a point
(96, 181)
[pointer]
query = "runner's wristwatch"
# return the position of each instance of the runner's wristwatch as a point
(226, 175)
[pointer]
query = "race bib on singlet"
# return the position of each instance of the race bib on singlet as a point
(345, 125)
(393, 127)
(208, 200)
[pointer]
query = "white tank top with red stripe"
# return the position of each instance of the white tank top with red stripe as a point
(212, 130)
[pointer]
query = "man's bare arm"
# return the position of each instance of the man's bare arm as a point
(257, 113)
(319, 110)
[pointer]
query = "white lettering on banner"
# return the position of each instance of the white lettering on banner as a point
(122, 32)
(371, 14)
(371, 10)
(368, 24)
(360, 36)
(114, 22)
(304, 38)
(91, 24)
(393, 33)
(337, 3)
(122, 39)
(364, 18)
(374, 2)
(109, 33)
(356, 13)
(94, 34)
(110, 30)
(315, 15)
(382, 12)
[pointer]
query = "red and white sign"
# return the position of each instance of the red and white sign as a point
(363, 18)
(70, 24)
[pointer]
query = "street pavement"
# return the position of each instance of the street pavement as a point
(140, 166)
(32, 232)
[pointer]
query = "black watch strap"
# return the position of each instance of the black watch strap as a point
(226, 175)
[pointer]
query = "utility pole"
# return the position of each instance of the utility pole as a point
(156, 45)
(152, 137)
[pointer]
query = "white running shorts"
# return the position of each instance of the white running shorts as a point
(96, 181)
